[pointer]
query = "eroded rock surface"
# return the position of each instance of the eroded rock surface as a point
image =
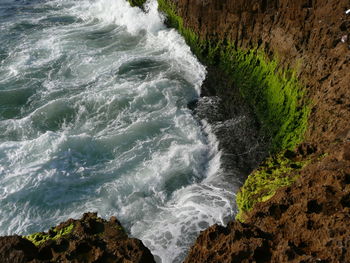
(306, 222)
(92, 239)
(306, 35)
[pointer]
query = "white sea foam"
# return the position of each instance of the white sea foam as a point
(103, 126)
(134, 19)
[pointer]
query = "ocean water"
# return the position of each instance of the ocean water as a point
(94, 117)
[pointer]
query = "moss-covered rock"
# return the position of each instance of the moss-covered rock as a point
(276, 172)
(53, 234)
(275, 95)
(89, 239)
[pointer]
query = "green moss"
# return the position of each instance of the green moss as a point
(54, 234)
(261, 185)
(175, 21)
(138, 3)
(274, 93)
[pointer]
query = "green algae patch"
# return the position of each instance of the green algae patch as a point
(274, 93)
(175, 21)
(53, 234)
(276, 172)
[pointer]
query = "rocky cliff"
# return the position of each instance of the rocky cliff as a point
(307, 35)
(90, 239)
(289, 61)
(308, 41)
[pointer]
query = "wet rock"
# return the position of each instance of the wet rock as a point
(239, 134)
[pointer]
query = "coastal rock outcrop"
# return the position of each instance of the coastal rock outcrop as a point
(89, 239)
(306, 35)
(306, 221)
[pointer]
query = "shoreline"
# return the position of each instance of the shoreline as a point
(234, 125)
(248, 83)
(295, 206)
(296, 202)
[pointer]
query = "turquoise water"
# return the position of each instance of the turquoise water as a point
(94, 117)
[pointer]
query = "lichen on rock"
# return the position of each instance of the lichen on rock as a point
(89, 239)
(53, 234)
(277, 171)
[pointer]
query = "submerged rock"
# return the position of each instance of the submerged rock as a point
(89, 239)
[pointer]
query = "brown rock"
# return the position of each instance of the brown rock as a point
(307, 222)
(345, 152)
(235, 243)
(92, 239)
(15, 249)
(304, 34)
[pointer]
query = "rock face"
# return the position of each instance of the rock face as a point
(312, 36)
(234, 125)
(234, 243)
(91, 239)
(306, 222)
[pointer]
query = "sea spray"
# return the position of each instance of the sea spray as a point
(94, 117)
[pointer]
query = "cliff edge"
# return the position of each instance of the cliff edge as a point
(306, 219)
(89, 239)
(289, 61)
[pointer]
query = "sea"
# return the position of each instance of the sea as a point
(94, 117)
